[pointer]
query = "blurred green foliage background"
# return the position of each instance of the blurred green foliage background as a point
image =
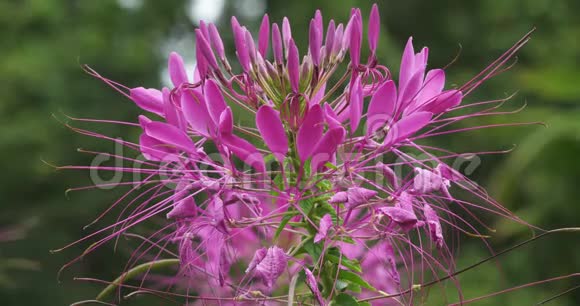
(43, 43)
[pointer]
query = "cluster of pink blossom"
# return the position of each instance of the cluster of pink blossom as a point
(321, 191)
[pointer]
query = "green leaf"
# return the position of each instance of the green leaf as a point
(344, 300)
(326, 208)
(307, 205)
(354, 278)
(334, 256)
(283, 223)
(351, 264)
(331, 166)
(313, 249)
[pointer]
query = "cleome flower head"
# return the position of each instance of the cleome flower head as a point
(299, 173)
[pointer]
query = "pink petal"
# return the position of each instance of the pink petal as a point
(272, 130)
(434, 225)
(196, 113)
(407, 64)
(286, 33)
(315, 41)
(177, 71)
(374, 28)
(277, 46)
(313, 285)
(355, 39)
(153, 149)
(406, 219)
(446, 100)
(330, 116)
(205, 49)
(214, 100)
(201, 65)
(241, 44)
(264, 36)
(408, 93)
(325, 224)
(318, 95)
(356, 104)
(216, 41)
(330, 34)
(241, 148)
(382, 107)
(185, 208)
(327, 146)
(226, 122)
(339, 197)
(407, 127)
(338, 39)
(172, 115)
(148, 99)
(433, 84)
(293, 66)
(170, 135)
(359, 195)
(310, 132)
(251, 46)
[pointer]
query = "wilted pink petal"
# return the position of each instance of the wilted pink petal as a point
(313, 285)
(271, 128)
(258, 257)
(339, 197)
(184, 208)
(272, 265)
(359, 195)
(427, 181)
(325, 224)
(434, 225)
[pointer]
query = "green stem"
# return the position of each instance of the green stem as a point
(142, 268)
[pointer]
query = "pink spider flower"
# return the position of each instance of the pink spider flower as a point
(293, 192)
